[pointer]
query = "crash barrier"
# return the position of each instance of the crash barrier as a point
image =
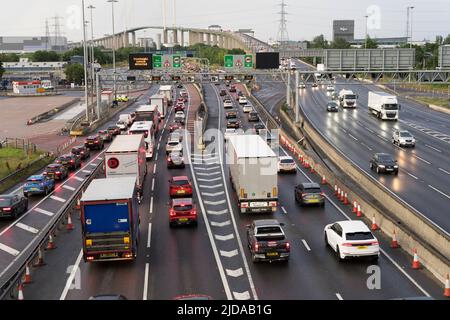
(48, 114)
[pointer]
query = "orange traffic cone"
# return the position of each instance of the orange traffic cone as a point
(416, 263)
(358, 212)
(324, 181)
(355, 207)
(312, 168)
(77, 206)
(20, 292)
(447, 287)
(335, 190)
(345, 199)
(40, 262)
(69, 226)
(27, 278)
(50, 244)
(394, 243)
(341, 196)
(374, 224)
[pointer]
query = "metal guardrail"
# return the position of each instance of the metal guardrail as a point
(12, 277)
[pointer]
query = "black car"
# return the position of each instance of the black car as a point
(253, 116)
(94, 142)
(108, 297)
(12, 205)
(223, 92)
(233, 123)
(267, 241)
(332, 106)
(56, 171)
(257, 127)
(70, 161)
(314, 85)
(82, 152)
(231, 114)
(384, 162)
(114, 130)
(105, 135)
(309, 193)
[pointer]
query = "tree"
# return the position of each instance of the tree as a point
(75, 73)
(447, 39)
(9, 57)
(319, 42)
(370, 43)
(45, 56)
(340, 43)
(2, 70)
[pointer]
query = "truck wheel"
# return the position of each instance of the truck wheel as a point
(338, 255)
(254, 259)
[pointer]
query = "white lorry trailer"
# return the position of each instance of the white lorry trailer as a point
(384, 105)
(347, 99)
(162, 102)
(126, 156)
(167, 91)
(253, 173)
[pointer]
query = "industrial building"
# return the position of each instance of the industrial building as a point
(32, 44)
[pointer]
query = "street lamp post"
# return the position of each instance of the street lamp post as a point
(85, 64)
(409, 25)
(365, 39)
(114, 47)
(91, 7)
(411, 32)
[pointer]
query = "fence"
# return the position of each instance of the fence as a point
(18, 143)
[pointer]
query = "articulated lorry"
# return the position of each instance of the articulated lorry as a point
(110, 220)
(253, 173)
(347, 99)
(167, 91)
(384, 105)
(162, 102)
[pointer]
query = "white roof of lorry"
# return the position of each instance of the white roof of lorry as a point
(251, 146)
(165, 88)
(382, 93)
(126, 143)
(157, 96)
(146, 108)
(110, 189)
(142, 125)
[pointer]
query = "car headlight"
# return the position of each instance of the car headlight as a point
(381, 166)
(395, 166)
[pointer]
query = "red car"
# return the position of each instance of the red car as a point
(180, 186)
(179, 106)
(182, 211)
(181, 100)
(175, 126)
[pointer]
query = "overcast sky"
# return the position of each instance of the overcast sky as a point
(306, 19)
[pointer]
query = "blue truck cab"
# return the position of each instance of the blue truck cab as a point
(38, 184)
(110, 220)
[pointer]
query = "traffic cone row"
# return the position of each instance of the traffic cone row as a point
(20, 292)
(394, 243)
(27, 277)
(50, 244)
(312, 168)
(374, 226)
(358, 212)
(40, 261)
(447, 287)
(336, 190)
(69, 226)
(324, 180)
(416, 263)
(346, 199)
(355, 207)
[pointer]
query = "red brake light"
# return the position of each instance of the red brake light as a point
(58, 172)
(172, 213)
(346, 244)
(288, 246)
(256, 246)
(375, 243)
(7, 209)
(72, 161)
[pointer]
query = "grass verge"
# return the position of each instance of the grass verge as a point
(441, 102)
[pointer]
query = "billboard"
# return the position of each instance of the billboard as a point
(344, 29)
(140, 61)
(267, 60)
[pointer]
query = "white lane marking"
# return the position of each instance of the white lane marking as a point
(144, 294)
(27, 228)
(353, 137)
(204, 156)
(241, 295)
(153, 184)
(381, 137)
(381, 250)
(235, 273)
(205, 180)
(86, 171)
(435, 149)
(225, 237)
(220, 224)
(9, 250)
(154, 169)
(437, 190)
(211, 187)
(73, 272)
(69, 188)
(157, 148)
(17, 190)
(151, 205)
(371, 131)
(345, 131)
(58, 199)
(215, 203)
(284, 210)
(208, 173)
(365, 145)
(207, 194)
(217, 213)
(421, 159)
(411, 175)
(47, 213)
(93, 164)
(229, 254)
(149, 239)
(160, 138)
(444, 171)
(306, 245)
(78, 178)
(164, 129)
(339, 296)
(206, 169)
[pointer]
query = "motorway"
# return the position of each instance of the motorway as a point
(212, 259)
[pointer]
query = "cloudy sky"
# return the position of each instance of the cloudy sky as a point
(305, 19)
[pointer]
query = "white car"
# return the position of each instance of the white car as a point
(302, 86)
(122, 125)
(174, 145)
(351, 239)
(286, 164)
(403, 138)
(242, 100)
(247, 108)
(228, 104)
(176, 135)
(330, 88)
(179, 116)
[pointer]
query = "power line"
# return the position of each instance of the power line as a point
(283, 36)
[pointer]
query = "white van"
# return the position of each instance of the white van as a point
(126, 117)
(145, 128)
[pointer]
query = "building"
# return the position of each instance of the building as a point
(32, 44)
(382, 42)
(26, 66)
(147, 43)
(344, 29)
(27, 87)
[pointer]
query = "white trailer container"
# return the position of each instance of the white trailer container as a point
(147, 129)
(384, 105)
(167, 91)
(347, 99)
(253, 173)
(162, 102)
(126, 156)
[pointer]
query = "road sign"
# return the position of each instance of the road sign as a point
(157, 61)
(238, 61)
(248, 61)
(229, 61)
(176, 61)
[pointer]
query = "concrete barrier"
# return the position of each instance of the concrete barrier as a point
(46, 115)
